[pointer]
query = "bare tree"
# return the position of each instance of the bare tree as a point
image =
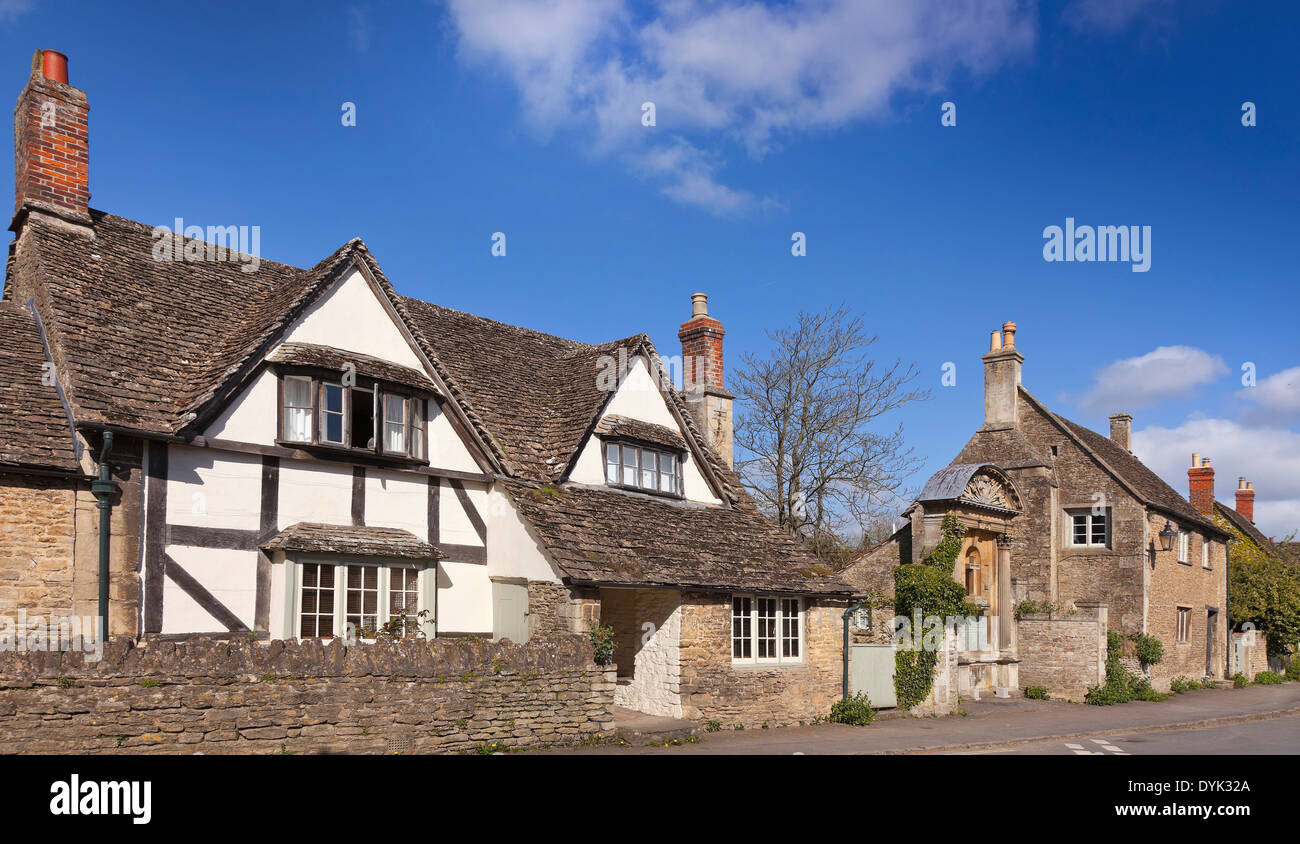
(809, 448)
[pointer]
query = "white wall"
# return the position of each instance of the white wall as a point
(252, 415)
(314, 491)
(350, 317)
(464, 598)
(231, 577)
(211, 488)
(638, 397)
(511, 550)
(397, 500)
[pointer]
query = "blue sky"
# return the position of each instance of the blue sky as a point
(824, 118)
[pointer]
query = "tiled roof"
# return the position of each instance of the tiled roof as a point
(34, 430)
(623, 427)
(1145, 484)
(609, 537)
(359, 541)
(1244, 525)
(326, 357)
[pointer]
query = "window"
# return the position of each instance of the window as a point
(321, 412)
(331, 413)
(297, 409)
(1184, 624)
(1183, 542)
(766, 629)
(1205, 553)
(417, 428)
(1090, 530)
(644, 468)
(358, 599)
(394, 424)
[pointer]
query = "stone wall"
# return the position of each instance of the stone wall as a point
(1190, 585)
(1253, 648)
(304, 697)
(547, 609)
(1064, 654)
(36, 546)
(713, 689)
(649, 658)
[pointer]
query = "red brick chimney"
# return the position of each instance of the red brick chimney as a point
(1246, 499)
(51, 145)
(1200, 480)
(709, 402)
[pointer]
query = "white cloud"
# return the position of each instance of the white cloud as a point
(1276, 398)
(729, 71)
(1166, 372)
(1111, 16)
(1268, 457)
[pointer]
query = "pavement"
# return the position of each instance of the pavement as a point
(997, 724)
(1267, 737)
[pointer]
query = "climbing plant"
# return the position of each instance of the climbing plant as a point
(929, 588)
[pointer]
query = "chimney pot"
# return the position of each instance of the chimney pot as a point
(995, 341)
(1009, 331)
(54, 65)
(699, 305)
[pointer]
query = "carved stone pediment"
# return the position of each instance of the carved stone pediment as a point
(991, 490)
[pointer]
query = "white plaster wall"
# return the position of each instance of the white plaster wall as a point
(397, 500)
(446, 449)
(638, 398)
(657, 673)
(231, 577)
(313, 491)
(350, 317)
(511, 550)
(211, 488)
(464, 598)
(454, 525)
(251, 417)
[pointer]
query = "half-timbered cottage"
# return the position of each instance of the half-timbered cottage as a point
(201, 441)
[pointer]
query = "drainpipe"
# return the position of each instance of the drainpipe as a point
(848, 614)
(103, 489)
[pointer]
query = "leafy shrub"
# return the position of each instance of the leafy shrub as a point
(1149, 649)
(1293, 669)
(602, 642)
(1037, 693)
(1184, 684)
(1239, 680)
(1268, 678)
(713, 726)
(855, 711)
(1121, 684)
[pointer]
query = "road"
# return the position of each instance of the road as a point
(1273, 736)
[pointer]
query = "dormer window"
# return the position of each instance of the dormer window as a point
(325, 412)
(643, 467)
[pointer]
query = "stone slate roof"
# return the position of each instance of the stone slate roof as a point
(609, 537)
(1244, 525)
(1289, 551)
(622, 427)
(1145, 484)
(34, 430)
(327, 357)
(359, 541)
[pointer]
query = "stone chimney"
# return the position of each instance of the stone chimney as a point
(51, 145)
(1002, 380)
(1121, 430)
(1200, 481)
(1246, 499)
(706, 398)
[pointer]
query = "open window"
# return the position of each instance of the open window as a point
(370, 417)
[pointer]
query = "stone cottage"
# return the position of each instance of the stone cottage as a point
(198, 441)
(1068, 535)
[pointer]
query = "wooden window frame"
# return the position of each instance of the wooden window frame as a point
(779, 628)
(1089, 528)
(641, 448)
(1182, 625)
(384, 614)
(378, 390)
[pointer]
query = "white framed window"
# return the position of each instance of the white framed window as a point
(1205, 553)
(1184, 540)
(657, 470)
(1089, 529)
(296, 412)
(766, 629)
(417, 429)
(334, 598)
(332, 413)
(1184, 624)
(394, 424)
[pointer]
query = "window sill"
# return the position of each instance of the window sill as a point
(343, 453)
(673, 496)
(1185, 563)
(749, 666)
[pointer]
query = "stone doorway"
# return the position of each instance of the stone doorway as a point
(647, 648)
